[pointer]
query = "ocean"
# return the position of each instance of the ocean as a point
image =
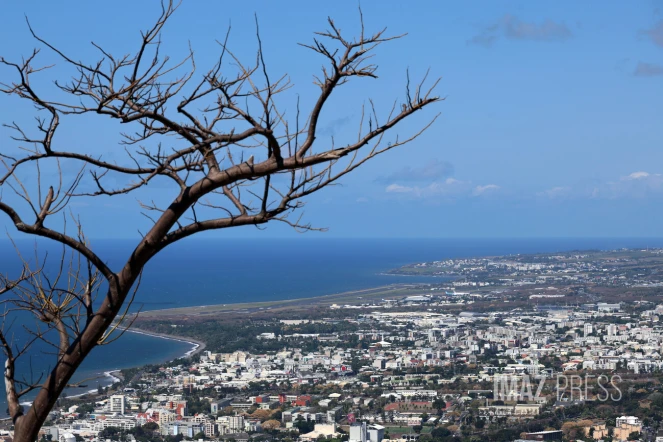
(203, 272)
(221, 271)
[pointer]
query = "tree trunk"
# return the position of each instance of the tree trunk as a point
(27, 426)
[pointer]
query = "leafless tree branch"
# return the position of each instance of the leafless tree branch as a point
(233, 159)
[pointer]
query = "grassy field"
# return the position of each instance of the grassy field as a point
(406, 430)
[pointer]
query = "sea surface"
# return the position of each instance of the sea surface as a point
(203, 272)
(221, 271)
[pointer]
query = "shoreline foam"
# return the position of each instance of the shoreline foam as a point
(196, 346)
(109, 378)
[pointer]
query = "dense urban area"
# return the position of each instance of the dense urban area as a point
(563, 346)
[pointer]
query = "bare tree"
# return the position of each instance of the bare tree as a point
(232, 156)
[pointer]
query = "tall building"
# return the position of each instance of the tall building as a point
(236, 424)
(67, 437)
(625, 425)
(375, 433)
(334, 414)
(117, 403)
(165, 416)
(361, 432)
(358, 432)
(611, 330)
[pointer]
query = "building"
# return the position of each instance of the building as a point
(358, 432)
(263, 398)
(177, 406)
(375, 433)
(117, 403)
(231, 424)
(303, 401)
(625, 425)
(164, 417)
(210, 429)
(522, 410)
(287, 416)
(238, 437)
(186, 429)
(611, 330)
(269, 405)
(379, 363)
(361, 432)
(606, 307)
(334, 414)
(325, 430)
(527, 409)
(123, 423)
(545, 435)
(627, 420)
(598, 430)
(659, 436)
(242, 406)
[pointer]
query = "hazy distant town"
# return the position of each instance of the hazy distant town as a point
(562, 346)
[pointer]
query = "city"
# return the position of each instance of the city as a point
(413, 368)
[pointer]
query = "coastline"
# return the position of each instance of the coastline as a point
(197, 346)
(110, 377)
(106, 375)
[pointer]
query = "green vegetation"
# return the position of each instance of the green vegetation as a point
(228, 337)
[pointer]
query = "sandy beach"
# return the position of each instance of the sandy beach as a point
(197, 346)
(113, 376)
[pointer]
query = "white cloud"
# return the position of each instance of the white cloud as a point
(397, 188)
(449, 188)
(362, 199)
(637, 176)
(488, 188)
(636, 185)
(512, 28)
(556, 192)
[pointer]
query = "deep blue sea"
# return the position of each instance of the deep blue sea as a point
(202, 272)
(221, 271)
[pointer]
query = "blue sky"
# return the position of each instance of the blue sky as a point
(551, 124)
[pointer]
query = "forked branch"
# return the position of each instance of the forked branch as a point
(220, 137)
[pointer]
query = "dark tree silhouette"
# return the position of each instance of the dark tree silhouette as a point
(219, 138)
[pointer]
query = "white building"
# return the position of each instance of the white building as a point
(375, 433)
(606, 307)
(117, 403)
(358, 432)
(627, 420)
(361, 432)
(123, 423)
(231, 424)
(611, 330)
(321, 430)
